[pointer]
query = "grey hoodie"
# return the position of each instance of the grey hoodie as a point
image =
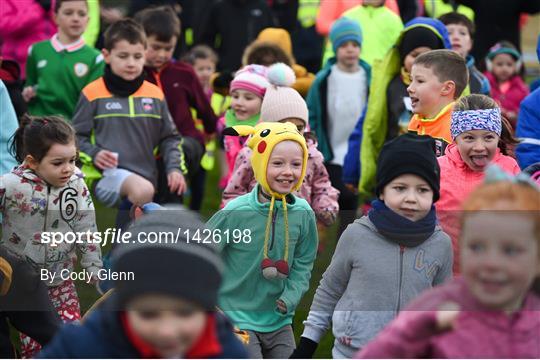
(368, 281)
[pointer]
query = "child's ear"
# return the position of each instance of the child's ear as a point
(31, 162)
(106, 55)
(448, 88)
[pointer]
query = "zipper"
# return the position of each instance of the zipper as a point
(274, 216)
(45, 222)
(401, 251)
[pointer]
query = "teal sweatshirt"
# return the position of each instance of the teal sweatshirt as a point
(245, 295)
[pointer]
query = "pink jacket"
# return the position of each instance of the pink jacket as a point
(511, 99)
(22, 23)
(316, 188)
(477, 332)
(457, 182)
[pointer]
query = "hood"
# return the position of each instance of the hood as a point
(280, 37)
(433, 24)
(28, 174)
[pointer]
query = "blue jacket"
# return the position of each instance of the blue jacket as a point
(102, 335)
(528, 130)
(316, 102)
(8, 125)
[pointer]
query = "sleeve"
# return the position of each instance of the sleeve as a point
(83, 123)
(351, 164)
(326, 15)
(408, 336)
(445, 272)
(18, 17)
(200, 102)
(331, 288)
(97, 69)
(300, 270)
(528, 132)
(324, 197)
(31, 69)
(86, 223)
(313, 106)
(240, 180)
(170, 143)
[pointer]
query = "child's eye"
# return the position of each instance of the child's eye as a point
(138, 56)
(185, 312)
(489, 137)
(511, 250)
(476, 247)
(399, 188)
(424, 190)
(148, 314)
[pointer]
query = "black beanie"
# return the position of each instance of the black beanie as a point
(409, 154)
(418, 37)
(187, 269)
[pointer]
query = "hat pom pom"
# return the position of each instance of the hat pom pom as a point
(281, 75)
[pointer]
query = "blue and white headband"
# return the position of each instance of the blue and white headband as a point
(467, 120)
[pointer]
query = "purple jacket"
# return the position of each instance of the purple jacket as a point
(316, 188)
(477, 332)
(22, 23)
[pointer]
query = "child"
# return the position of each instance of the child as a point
(504, 63)
(284, 104)
(166, 309)
(380, 25)
(58, 69)
(122, 102)
(389, 110)
(335, 101)
(183, 93)
(47, 194)
(461, 32)
(204, 61)
(491, 311)
(438, 78)
(396, 252)
(479, 138)
(247, 91)
(268, 263)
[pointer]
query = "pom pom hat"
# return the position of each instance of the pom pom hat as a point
(264, 137)
(281, 101)
(251, 78)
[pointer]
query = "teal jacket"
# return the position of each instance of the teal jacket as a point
(316, 102)
(245, 295)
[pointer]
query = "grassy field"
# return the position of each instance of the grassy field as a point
(106, 218)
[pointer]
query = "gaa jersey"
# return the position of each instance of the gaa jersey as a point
(59, 73)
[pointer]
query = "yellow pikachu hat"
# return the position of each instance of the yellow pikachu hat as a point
(264, 137)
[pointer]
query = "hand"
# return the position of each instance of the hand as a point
(447, 315)
(352, 188)
(176, 182)
(105, 159)
(282, 307)
(28, 93)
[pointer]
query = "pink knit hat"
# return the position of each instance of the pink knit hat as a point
(251, 78)
(281, 101)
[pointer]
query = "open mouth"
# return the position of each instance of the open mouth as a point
(414, 101)
(285, 182)
(480, 161)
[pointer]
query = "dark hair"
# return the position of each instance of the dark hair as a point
(125, 29)
(36, 135)
(60, 2)
(201, 52)
(455, 18)
(265, 53)
(481, 102)
(161, 22)
(446, 65)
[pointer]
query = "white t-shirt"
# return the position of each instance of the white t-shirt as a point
(347, 96)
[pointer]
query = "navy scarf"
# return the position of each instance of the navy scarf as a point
(400, 229)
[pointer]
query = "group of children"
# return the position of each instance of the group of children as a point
(388, 292)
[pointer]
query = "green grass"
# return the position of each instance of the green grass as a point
(106, 218)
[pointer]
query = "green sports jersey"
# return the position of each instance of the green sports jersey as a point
(59, 73)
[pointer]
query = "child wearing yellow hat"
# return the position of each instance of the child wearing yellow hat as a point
(268, 241)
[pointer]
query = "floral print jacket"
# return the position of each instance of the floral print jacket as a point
(32, 208)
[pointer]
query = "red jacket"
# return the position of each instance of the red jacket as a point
(183, 91)
(457, 182)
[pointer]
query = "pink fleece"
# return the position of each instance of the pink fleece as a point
(511, 98)
(457, 182)
(316, 188)
(477, 332)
